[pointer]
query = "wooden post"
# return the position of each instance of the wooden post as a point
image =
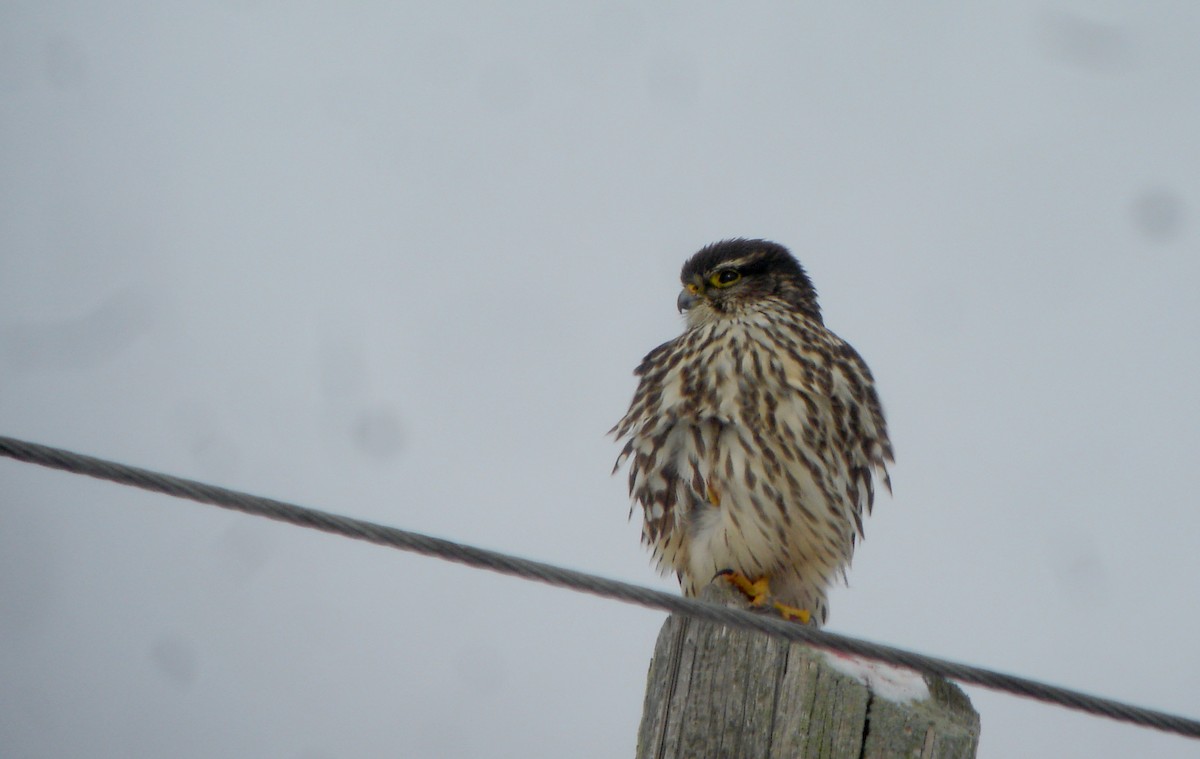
(715, 692)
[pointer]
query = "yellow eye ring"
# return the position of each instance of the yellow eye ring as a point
(724, 277)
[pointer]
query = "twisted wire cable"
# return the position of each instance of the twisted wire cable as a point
(480, 558)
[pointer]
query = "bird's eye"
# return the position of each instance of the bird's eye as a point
(724, 278)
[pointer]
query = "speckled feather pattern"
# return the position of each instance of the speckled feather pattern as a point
(753, 442)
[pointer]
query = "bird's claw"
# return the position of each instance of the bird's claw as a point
(755, 590)
(759, 591)
(791, 612)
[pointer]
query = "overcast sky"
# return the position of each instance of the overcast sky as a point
(398, 261)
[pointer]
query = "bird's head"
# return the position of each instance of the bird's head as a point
(731, 276)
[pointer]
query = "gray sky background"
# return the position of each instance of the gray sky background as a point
(399, 261)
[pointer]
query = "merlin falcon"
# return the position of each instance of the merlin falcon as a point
(754, 438)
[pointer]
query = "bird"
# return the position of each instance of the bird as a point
(754, 438)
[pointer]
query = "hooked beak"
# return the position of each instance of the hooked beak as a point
(687, 299)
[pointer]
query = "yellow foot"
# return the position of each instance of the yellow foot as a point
(759, 592)
(791, 612)
(756, 590)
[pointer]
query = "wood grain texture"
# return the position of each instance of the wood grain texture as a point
(718, 692)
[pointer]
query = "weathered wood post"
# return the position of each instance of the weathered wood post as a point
(716, 692)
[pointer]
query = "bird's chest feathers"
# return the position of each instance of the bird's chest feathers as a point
(726, 372)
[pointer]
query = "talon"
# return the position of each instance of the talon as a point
(791, 612)
(756, 590)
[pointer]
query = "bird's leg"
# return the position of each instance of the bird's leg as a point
(755, 590)
(759, 591)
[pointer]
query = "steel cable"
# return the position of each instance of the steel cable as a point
(495, 561)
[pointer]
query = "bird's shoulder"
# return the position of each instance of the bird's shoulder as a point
(654, 358)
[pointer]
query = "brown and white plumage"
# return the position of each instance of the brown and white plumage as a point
(753, 437)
